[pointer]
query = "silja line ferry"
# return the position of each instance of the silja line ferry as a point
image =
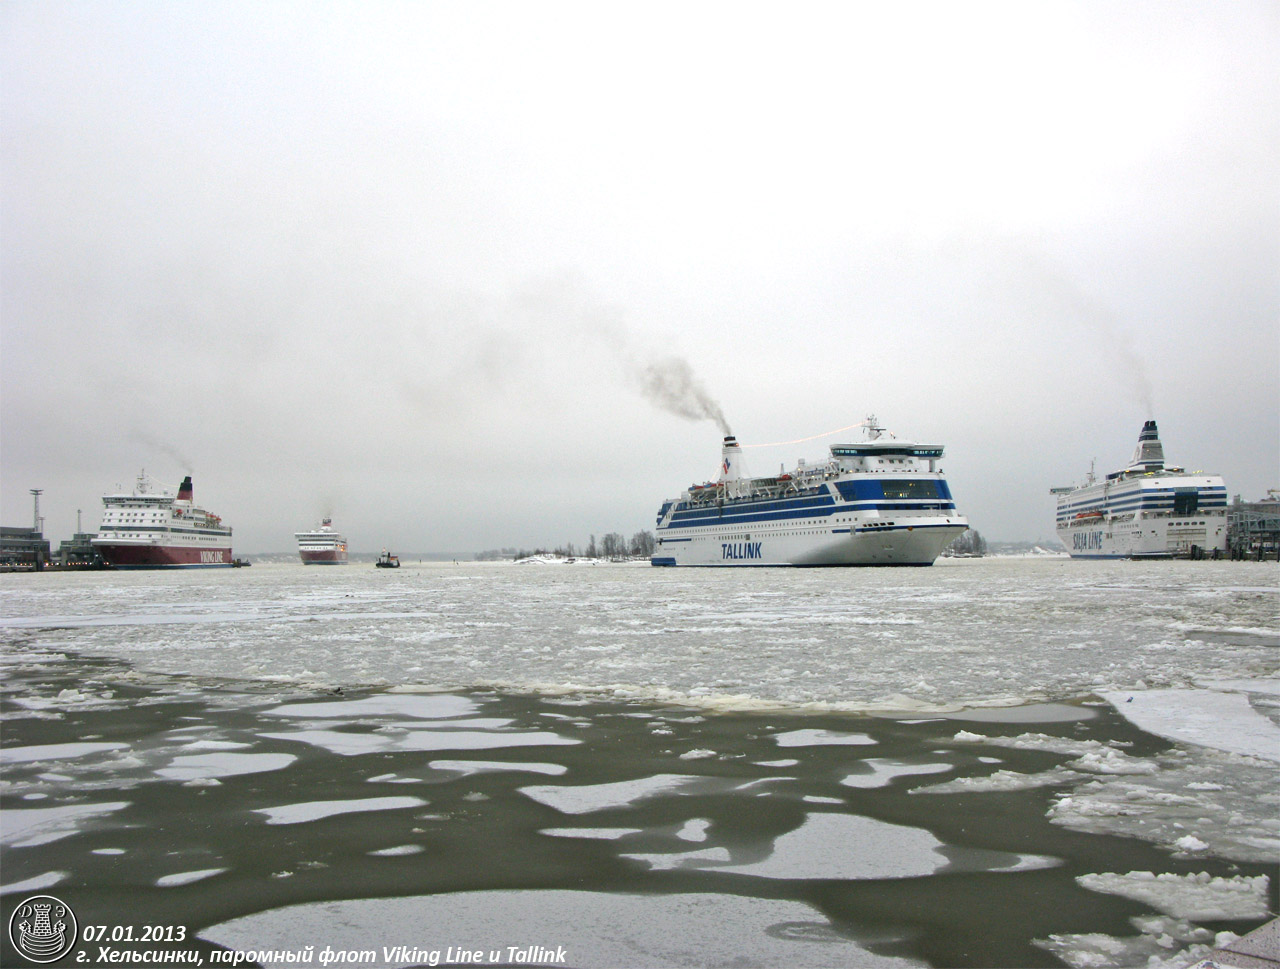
(879, 502)
(156, 530)
(1144, 510)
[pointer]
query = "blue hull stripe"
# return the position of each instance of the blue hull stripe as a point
(732, 517)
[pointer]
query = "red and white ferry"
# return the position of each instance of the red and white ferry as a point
(323, 546)
(155, 530)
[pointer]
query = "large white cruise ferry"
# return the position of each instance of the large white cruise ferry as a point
(322, 546)
(1145, 510)
(150, 530)
(880, 502)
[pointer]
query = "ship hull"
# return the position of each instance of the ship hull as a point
(818, 545)
(1147, 538)
(127, 556)
(325, 557)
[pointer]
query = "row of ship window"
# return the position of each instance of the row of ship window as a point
(126, 533)
(1171, 524)
(747, 538)
(738, 538)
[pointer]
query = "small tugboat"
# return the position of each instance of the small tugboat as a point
(387, 561)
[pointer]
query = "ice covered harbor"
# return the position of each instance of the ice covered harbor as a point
(988, 763)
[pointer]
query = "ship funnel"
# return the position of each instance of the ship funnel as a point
(730, 460)
(1149, 454)
(184, 489)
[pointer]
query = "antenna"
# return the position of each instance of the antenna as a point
(36, 493)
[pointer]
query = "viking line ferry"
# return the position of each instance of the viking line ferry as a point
(154, 530)
(879, 502)
(322, 546)
(1144, 510)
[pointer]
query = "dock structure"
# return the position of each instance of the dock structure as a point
(1260, 949)
(22, 549)
(79, 552)
(1253, 529)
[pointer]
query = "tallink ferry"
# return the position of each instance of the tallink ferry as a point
(879, 502)
(1144, 510)
(150, 530)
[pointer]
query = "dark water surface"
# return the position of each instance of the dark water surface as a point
(564, 831)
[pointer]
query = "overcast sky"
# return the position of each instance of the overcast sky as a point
(408, 264)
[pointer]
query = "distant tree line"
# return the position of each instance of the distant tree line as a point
(613, 546)
(968, 544)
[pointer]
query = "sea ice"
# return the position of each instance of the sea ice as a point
(23, 755)
(1200, 896)
(47, 880)
(596, 929)
(315, 810)
(1270, 687)
(1095, 950)
(187, 877)
(694, 829)
(466, 767)
(884, 770)
(596, 797)
(419, 706)
(27, 827)
(1000, 781)
(717, 858)
(828, 846)
(346, 743)
(1228, 802)
(207, 766)
(1025, 713)
(1209, 718)
(814, 738)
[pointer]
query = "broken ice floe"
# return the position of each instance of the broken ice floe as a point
(1200, 896)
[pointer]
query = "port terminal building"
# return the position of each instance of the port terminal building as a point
(22, 548)
(1253, 528)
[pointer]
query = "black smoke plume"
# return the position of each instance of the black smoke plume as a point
(670, 384)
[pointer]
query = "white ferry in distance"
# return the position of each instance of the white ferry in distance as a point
(880, 502)
(1145, 510)
(323, 546)
(150, 530)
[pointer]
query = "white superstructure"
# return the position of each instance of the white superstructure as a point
(1145, 510)
(879, 502)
